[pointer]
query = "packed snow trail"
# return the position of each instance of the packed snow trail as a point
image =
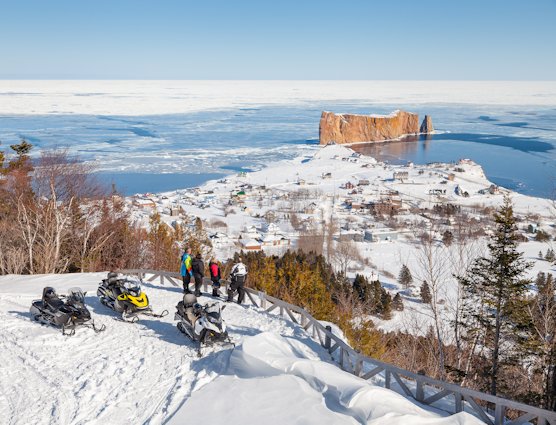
(149, 372)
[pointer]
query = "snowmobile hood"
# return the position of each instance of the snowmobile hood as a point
(140, 301)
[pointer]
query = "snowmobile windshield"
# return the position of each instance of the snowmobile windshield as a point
(213, 312)
(132, 287)
(76, 295)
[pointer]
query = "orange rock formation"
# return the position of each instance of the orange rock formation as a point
(350, 128)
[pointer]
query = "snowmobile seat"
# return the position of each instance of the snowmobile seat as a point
(189, 300)
(51, 299)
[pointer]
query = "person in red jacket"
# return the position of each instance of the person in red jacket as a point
(214, 269)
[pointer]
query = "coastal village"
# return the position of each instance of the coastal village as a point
(380, 213)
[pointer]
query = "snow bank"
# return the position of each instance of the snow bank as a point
(279, 380)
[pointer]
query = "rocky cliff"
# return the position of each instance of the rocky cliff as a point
(426, 125)
(349, 128)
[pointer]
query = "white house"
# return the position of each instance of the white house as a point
(380, 235)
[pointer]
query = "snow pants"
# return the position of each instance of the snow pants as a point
(238, 284)
(198, 284)
(186, 280)
(215, 286)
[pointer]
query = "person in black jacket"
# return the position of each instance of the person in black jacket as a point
(198, 272)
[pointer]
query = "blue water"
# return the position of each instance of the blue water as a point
(515, 145)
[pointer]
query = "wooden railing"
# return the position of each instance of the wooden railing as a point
(445, 396)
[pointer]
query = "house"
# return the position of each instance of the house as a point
(174, 211)
(460, 192)
(219, 238)
(301, 182)
(451, 177)
(326, 176)
(466, 161)
(493, 189)
(381, 235)
(352, 236)
(386, 206)
(250, 232)
(401, 175)
(275, 240)
(144, 203)
(251, 245)
(348, 185)
(363, 182)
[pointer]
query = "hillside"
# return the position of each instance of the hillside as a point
(149, 373)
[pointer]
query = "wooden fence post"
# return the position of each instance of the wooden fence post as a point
(327, 340)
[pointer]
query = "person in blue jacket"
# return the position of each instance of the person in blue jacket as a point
(186, 269)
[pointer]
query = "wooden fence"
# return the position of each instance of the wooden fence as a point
(442, 395)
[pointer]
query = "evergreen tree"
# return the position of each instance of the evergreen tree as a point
(397, 302)
(495, 295)
(426, 296)
(541, 257)
(360, 285)
(405, 279)
(540, 281)
(386, 301)
(550, 256)
(22, 148)
(375, 297)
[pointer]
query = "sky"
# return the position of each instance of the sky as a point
(279, 39)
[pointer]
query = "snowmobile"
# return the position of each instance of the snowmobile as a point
(67, 312)
(202, 324)
(123, 294)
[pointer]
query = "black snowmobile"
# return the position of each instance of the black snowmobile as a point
(202, 324)
(123, 294)
(66, 312)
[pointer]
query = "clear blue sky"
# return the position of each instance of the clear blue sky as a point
(235, 39)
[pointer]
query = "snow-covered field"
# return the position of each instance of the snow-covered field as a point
(148, 372)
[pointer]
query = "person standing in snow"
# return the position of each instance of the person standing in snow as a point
(238, 276)
(186, 269)
(214, 269)
(198, 272)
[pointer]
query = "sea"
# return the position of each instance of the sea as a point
(515, 145)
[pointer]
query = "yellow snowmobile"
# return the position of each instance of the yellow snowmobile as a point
(123, 294)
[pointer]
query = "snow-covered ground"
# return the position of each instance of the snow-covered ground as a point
(167, 97)
(148, 372)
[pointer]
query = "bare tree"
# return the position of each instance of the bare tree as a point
(433, 267)
(465, 248)
(345, 254)
(311, 240)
